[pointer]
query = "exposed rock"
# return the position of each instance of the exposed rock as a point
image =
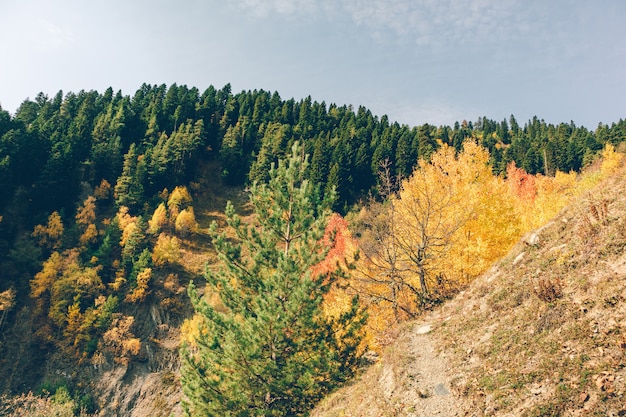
(424, 329)
(534, 238)
(440, 389)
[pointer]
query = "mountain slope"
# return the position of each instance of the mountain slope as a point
(542, 333)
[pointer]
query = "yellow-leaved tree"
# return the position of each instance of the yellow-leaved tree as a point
(44, 279)
(140, 292)
(186, 221)
(103, 191)
(86, 214)
(409, 235)
(447, 223)
(491, 226)
(166, 250)
(72, 295)
(178, 200)
(158, 220)
(50, 235)
(85, 218)
(119, 341)
(611, 160)
(7, 302)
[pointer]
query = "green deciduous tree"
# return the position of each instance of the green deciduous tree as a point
(266, 347)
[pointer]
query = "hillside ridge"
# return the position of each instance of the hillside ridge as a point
(106, 201)
(540, 334)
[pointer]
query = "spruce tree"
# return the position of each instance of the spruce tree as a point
(128, 189)
(266, 347)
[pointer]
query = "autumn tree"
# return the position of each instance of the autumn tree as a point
(74, 283)
(119, 340)
(44, 279)
(343, 253)
(72, 296)
(178, 200)
(7, 302)
(448, 220)
(186, 221)
(611, 160)
(429, 206)
(50, 235)
(492, 226)
(85, 218)
(266, 347)
(166, 250)
(521, 183)
(86, 214)
(380, 262)
(103, 191)
(140, 291)
(158, 220)
(133, 239)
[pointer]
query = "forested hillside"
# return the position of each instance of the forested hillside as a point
(541, 333)
(151, 140)
(106, 200)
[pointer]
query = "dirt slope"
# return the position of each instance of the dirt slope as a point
(411, 379)
(543, 333)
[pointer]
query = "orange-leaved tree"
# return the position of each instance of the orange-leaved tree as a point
(342, 250)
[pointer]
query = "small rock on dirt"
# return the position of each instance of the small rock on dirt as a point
(425, 329)
(440, 389)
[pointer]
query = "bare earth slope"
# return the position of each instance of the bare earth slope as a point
(411, 379)
(543, 333)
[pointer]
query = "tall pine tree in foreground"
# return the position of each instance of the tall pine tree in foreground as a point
(266, 347)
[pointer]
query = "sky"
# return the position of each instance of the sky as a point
(417, 61)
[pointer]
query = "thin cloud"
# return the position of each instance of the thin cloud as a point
(426, 22)
(50, 35)
(443, 21)
(264, 8)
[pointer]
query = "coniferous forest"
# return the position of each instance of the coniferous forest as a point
(97, 194)
(53, 146)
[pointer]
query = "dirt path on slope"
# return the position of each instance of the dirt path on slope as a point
(411, 379)
(430, 378)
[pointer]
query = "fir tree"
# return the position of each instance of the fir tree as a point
(267, 348)
(129, 190)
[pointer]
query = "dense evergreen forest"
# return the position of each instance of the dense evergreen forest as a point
(52, 148)
(53, 145)
(64, 159)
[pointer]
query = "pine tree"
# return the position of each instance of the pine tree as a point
(266, 347)
(320, 161)
(232, 155)
(128, 189)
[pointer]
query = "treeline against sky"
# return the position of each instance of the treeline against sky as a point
(153, 139)
(54, 150)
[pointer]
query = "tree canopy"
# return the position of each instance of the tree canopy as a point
(266, 347)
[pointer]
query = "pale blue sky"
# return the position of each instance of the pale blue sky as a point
(419, 61)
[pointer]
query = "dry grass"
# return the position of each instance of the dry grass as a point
(546, 335)
(393, 386)
(29, 405)
(543, 333)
